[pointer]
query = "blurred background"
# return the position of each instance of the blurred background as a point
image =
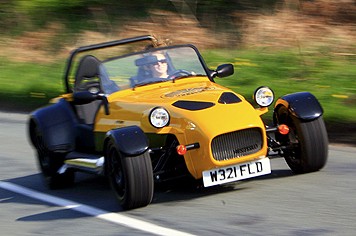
(289, 45)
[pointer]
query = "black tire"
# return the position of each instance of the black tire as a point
(50, 162)
(131, 178)
(307, 142)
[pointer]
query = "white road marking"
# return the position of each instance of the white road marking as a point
(92, 211)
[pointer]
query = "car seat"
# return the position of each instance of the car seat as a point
(87, 79)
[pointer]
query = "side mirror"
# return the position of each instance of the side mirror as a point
(223, 70)
(85, 97)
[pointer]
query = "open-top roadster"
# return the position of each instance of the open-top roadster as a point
(121, 119)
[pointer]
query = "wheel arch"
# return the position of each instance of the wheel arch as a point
(130, 140)
(302, 105)
(57, 124)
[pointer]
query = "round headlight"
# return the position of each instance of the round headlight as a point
(264, 96)
(159, 117)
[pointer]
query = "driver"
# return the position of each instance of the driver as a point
(160, 68)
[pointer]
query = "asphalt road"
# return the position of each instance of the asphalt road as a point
(321, 203)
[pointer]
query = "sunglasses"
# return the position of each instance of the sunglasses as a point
(161, 61)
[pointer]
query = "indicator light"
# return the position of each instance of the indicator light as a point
(181, 149)
(283, 129)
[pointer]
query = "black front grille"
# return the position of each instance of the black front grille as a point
(236, 144)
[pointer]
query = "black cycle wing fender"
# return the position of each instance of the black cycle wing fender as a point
(57, 124)
(302, 105)
(131, 140)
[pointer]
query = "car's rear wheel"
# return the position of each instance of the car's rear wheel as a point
(306, 144)
(50, 162)
(131, 178)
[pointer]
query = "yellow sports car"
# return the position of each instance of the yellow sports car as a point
(140, 113)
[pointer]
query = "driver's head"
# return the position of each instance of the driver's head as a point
(159, 68)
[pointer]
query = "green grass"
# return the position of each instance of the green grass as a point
(331, 78)
(26, 86)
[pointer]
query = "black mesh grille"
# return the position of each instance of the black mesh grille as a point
(236, 144)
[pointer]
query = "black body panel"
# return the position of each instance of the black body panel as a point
(131, 140)
(302, 105)
(58, 124)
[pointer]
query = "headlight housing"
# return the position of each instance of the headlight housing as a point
(159, 117)
(263, 96)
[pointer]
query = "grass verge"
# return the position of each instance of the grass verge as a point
(330, 77)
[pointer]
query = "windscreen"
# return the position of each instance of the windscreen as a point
(154, 66)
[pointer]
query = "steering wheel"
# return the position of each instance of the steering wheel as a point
(150, 81)
(178, 73)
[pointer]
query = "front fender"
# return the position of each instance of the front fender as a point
(130, 140)
(302, 105)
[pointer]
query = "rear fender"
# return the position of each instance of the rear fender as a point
(302, 105)
(131, 140)
(57, 124)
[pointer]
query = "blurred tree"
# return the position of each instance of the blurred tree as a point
(25, 15)
(140, 6)
(7, 16)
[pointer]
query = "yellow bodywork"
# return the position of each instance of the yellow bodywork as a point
(132, 107)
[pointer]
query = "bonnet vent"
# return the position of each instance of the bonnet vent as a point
(193, 105)
(229, 98)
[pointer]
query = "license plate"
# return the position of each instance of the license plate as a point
(232, 173)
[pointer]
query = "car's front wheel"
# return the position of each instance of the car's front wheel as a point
(131, 178)
(306, 144)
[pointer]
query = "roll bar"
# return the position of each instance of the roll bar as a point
(101, 46)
